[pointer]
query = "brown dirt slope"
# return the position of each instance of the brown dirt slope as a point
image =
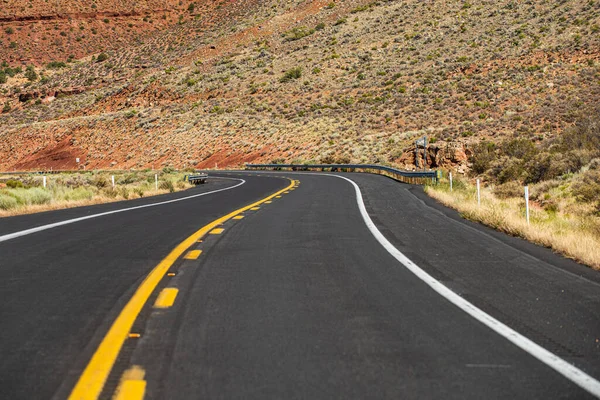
(315, 81)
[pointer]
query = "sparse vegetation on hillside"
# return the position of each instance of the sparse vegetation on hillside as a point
(359, 80)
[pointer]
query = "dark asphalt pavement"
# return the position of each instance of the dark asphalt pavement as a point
(62, 288)
(296, 300)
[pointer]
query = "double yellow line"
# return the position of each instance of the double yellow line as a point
(92, 380)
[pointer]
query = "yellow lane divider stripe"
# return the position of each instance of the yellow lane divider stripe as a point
(238, 217)
(92, 380)
(217, 231)
(193, 254)
(133, 385)
(166, 298)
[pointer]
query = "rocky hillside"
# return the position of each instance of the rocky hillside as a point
(309, 81)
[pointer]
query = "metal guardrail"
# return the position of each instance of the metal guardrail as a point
(196, 179)
(402, 175)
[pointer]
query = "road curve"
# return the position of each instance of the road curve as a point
(296, 300)
(63, 287)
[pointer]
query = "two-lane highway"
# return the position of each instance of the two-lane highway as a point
(308, 294)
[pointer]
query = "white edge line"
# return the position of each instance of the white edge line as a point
(26, 232)
(561, 366)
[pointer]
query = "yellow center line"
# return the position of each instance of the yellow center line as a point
(255, 208)
(166, 298)
(238, 217)
(92, 380)
(217, 231)
(132, 385)
(193, 254)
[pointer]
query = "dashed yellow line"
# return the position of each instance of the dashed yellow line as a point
(166, 298)
(217, 231)
(268, 202)
(255, 209)
(238, 217)
(92, 380)
(193, 254)
(132, 386)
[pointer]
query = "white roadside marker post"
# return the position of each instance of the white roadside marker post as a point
(156, 181)
(450, 181)
(113, 181)
(527, 203)
(478, 193)
(44, 181)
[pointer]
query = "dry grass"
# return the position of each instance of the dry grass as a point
(63, 204)
(574, 236)
(76, 190)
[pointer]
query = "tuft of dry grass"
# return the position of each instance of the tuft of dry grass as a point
(574, 236)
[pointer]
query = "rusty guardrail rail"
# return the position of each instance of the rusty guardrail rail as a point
(416, 177)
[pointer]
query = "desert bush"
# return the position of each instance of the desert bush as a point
(298, 33)
(167, 185)
(12, 183)
(102, 57)
(139, 192)
(483, 154)
(99, 181)
(518, 148)
(512, 169)
(30, 74)
(588, 188)
(31, 196)
(78, 194)
(56, 65)
(291, 74)
(110, 192)
(584, 135)
(508, 189)
(7, 202)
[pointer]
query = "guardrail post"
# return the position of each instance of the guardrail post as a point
(156, 181)
(478, 193)
(44, 181)
(112, 178)
(527, 204)
(450, 176)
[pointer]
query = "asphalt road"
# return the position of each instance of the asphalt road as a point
(296, 300)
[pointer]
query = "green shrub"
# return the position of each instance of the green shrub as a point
(482, 155)
(12, 183)
(298, 33)
(56, 65)
(167, 185)
(7, 202)
(31, 196)
(588, 189)
(291, 74)
(110, 192)
(99, 181)
(518, 148)
(80, 193)
(30, 74)
(508, 189)
(102, 57)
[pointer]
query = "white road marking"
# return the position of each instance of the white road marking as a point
(561, 366)
(26, 232)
